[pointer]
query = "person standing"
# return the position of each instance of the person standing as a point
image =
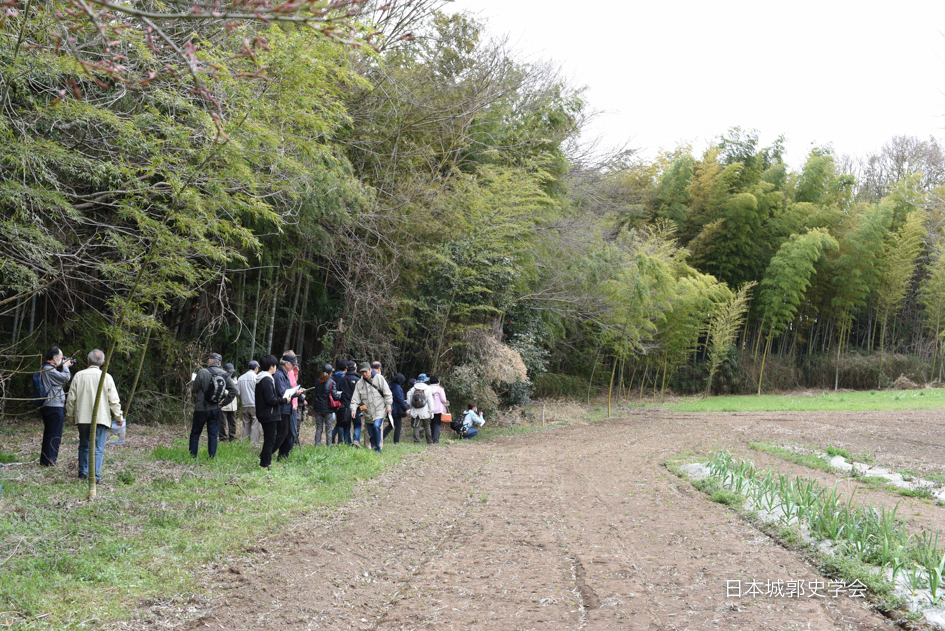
(213, 389)
(79, 406)
(228, 421)
(246, 384)
(346, 385)
(54, 375)
(440, 406)
(400, 407)
(284, 439)
(373, 397)
(421, 409)
(321, 407)
(268, 407)
(293, 373)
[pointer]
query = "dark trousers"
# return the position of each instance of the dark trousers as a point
(284, 439)
(398, 426)
(228, 423)
(341, 433)
(53, 420)
(435, 428)
(294, 426)
(269, 442)
(210, 418)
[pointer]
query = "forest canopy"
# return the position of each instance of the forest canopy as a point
(384, 181)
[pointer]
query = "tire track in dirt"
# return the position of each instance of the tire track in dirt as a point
(576, 527)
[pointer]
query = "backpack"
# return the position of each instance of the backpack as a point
(217, 390)
(418, 399)
(40, 396)
(457, 424)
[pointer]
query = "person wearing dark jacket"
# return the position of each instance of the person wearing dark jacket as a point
(284, 438)
(206, 412)
(399, 410)
(321, 408)
(346, 385)
(268, 407)
(54, 375)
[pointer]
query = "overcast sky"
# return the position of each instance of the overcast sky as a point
(849, 74)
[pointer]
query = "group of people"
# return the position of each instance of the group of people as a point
(77, 407)
(347, 402)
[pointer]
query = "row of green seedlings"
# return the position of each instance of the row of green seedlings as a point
(872, 535)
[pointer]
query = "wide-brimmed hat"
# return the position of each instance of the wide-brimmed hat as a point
(423, 378)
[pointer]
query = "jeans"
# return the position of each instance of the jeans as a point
(210, 418)
(341, 433)
(374, 429)
(53, 420)
(469, 434)
(101, 435)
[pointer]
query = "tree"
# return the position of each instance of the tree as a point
(897, 266)
(787, 279)
(723, 328)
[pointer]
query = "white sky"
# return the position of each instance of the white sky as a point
(849, 74)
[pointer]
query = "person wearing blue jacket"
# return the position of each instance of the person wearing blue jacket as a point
(284, 438)
(399, 410)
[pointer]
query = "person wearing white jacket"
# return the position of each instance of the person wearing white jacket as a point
(420, 415)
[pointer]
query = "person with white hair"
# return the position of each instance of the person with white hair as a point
(79, 405)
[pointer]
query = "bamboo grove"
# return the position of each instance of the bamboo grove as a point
(425, 200)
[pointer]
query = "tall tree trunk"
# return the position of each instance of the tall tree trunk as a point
(33, 314)
(764, 356)
(610, 391)
(836, 376)
(295, 306)
(593, 370)
(301, 333)
(272, 318)
(252, 352)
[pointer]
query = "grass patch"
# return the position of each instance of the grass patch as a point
(931, 399)
(837, 451)
(719, 494)
(910, 475)
(6, 458)
(807, 460)
(158, 517)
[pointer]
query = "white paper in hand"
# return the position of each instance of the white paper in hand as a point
(288, 394)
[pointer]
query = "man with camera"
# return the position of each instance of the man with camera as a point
(54, 375)
(373, 397)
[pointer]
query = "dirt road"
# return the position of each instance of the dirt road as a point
(578, 527)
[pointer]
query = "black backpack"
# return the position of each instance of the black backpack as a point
(457, 424)
(217, 390)
(40, 396)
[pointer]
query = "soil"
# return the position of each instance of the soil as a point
(576, 527)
